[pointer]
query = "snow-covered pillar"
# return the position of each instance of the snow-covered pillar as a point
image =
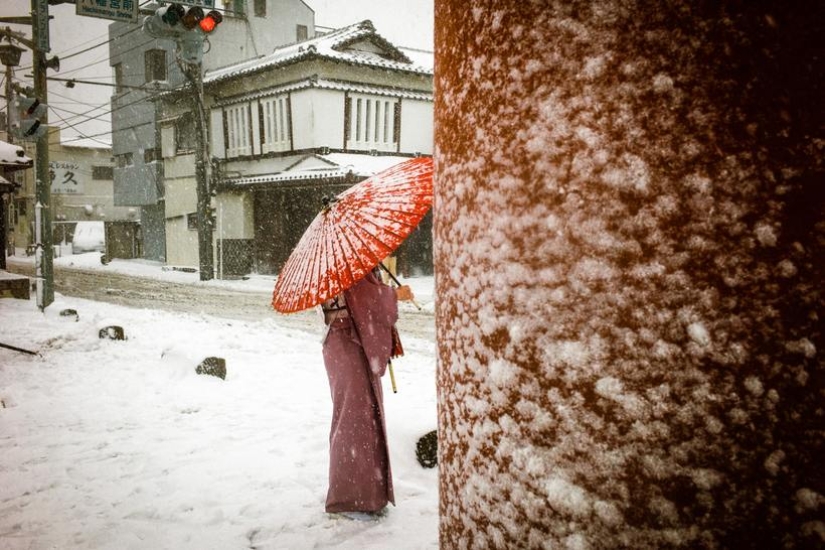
(629, 243)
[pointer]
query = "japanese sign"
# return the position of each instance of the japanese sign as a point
(41, 19)
(66, 178)
(116, 10)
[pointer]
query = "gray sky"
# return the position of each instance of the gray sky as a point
(402, 22)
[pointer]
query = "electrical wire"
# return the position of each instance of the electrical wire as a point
(72, 126)
(106, 133)
(68, 120)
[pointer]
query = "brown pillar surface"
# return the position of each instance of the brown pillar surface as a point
(629, 246)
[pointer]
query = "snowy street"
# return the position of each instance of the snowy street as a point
(119, 444)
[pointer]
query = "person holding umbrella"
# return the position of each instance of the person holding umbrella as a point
(334, 265)
(357, 348)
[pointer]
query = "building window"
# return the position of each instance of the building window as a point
(102, 172)
(302, 32)
(185, 136)
(259, 8)
(118, 67)
(238, 130)
(155, 65)
(123, 160)
(151, 155)
(372, 123)
(192, 221)
(275, 124)
(239, 8)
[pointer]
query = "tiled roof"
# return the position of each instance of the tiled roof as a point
(332, 46)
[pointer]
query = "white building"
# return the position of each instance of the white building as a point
(306, 120)
(144, 66)
(81, 190)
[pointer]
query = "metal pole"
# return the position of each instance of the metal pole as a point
(40, 13)
(4, 228)
(220, 240)
(38, 254)
(4, 215)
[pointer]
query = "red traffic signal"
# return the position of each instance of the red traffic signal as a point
(175, 20)
(210, 21)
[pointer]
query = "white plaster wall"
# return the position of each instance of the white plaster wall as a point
(317, 119)
(416, 126)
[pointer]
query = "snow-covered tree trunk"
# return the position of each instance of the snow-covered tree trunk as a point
(629, 242)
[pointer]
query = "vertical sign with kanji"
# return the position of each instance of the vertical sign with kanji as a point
(41, 19)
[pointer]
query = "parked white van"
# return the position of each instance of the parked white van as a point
(89, 237)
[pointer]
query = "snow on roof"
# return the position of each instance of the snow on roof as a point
(423, 58)
(337, 45)
(13, 156)
(335, 165)
(86, 143)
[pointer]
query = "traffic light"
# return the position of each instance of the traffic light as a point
(25, 118)
(210, 21)
(188, 25)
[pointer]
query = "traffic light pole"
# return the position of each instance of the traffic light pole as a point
(44, 250)
(206, 260)
(188, 26)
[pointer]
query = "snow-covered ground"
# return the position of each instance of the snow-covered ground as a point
(120, 444)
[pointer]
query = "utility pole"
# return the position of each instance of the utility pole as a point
(4, 206)
(194, 73)
(45, 250)
(188, 26)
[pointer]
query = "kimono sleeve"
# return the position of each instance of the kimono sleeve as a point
(374, 309)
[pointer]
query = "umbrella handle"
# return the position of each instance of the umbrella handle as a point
(397, 283)
(392, 376)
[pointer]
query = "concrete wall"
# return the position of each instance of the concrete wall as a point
(133, 114)
(237, 39)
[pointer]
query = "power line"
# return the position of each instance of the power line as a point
(73, 127)
(109, 133)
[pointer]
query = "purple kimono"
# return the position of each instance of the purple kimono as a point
(356, 351)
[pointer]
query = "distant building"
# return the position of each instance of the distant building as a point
(306, 120)
(81, 190)
(144, 66)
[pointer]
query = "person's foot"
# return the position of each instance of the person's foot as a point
(362, 516)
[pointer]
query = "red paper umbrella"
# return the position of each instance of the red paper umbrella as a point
(353, 233)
